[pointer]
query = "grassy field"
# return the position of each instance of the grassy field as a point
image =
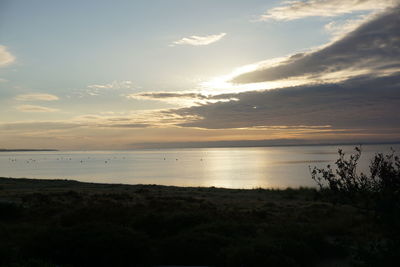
(69, 223)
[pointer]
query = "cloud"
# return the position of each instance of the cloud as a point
(97, 89)
(129, 125)
(373, 48)
(181, 95)
(352, 89)
(199, 40)
(113, 85)
(33, 108)
(338, 29)
(132, 119)
(182, 98)
(363, 103)
(166, 95)
(6, 57)
(36, 97)
(323, 8)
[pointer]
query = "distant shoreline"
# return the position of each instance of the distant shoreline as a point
(26, 150)
(215, 144)
(248, 144)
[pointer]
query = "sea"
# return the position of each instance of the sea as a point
(245, 167)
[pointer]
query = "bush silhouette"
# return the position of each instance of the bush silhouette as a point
(379, 191)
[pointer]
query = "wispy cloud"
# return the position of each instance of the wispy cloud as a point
(340, 28)
(199, 40)
(182, 98)
(34, 108)
(97, 89)
(6, 57)
(373, 48)
(131, 119)
(113, 85)
(36, 97)
(323, 8)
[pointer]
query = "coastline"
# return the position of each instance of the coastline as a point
(27, 150)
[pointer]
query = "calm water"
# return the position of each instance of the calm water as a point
(220, 167)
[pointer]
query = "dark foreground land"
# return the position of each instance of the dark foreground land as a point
(69, 223)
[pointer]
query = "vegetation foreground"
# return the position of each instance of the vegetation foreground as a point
(69, 223)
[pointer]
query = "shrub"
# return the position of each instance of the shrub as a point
(380, 190)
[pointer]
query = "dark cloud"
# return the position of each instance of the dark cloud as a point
(362, 102)
(374, 46)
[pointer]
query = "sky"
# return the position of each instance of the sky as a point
(90, 75)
